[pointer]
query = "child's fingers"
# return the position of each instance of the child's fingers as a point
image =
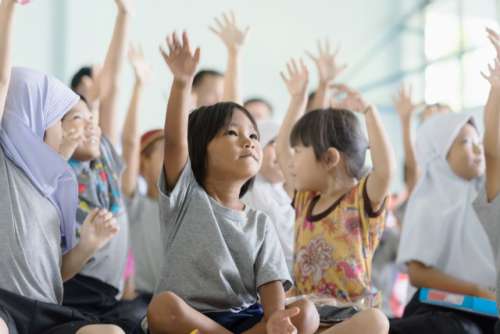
(233, 17)
(176, 41)
(226, 19)
(294, 66)
(185, 42)
(310, 55)
(219, 24)
(289, 68)
(291, 312)
(283, 77)
(197, 54)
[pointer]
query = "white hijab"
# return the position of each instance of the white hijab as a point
(441, 228)
(35, 101)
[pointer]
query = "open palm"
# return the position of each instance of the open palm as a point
(296, 77)
(228, 31)
(181, 61)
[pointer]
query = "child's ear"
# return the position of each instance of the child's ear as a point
(331, 158)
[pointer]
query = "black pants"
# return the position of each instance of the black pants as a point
(420, 318)
(97, 298)
(27, 316)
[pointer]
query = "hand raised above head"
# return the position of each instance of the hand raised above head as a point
(142, 70)
(229, 32)
(296, 78)
(327, 63)
(180, 59)
(351, 100)
(493, 76)
(403, 102)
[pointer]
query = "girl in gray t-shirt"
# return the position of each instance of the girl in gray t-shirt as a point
(223, 268)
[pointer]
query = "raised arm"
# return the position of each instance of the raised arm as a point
(328, 70)
(182, 63)
(381, 150)
(406, 108)
(130, 136)
(6, 15)
(110, 73)
(233, 38)
(296, 81)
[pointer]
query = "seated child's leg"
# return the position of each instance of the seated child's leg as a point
(3, 327)
(100, 329)
(307, 321)
(169, 314)
(370, 321)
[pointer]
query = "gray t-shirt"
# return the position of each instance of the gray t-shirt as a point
(489, 216)
(30, 238)
(108, 264)
(215, 257)
(145, 237)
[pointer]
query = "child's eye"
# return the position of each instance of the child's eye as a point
(231, 133)
(254, 136)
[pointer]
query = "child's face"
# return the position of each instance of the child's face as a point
(270, 169)
(210, 91)
(79, 118)
(235, 152)
(151, 165)
(308, 173)
(466, 157)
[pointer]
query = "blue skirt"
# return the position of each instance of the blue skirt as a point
(238, 322)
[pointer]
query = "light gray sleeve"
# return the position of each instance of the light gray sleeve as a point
(172, 201)
(270, 264)
(489, 216)
(134, 207)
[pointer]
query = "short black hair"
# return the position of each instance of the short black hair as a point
(204, 124)
(259, 100)
(337, 128)
(201, 74)
(78, 77)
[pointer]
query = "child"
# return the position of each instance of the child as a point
(144, 156)
(339, 210)
(268, 194)
(220, 256)
(442, 242)
(39, 203)
(487, 203)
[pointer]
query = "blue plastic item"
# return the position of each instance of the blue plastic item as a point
(459, 302)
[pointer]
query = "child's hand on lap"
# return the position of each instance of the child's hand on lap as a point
(231, 35)
(180, 59)
(98, 229)
(326, 63)
(279, 322)
(297, 78)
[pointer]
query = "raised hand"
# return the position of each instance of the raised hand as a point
(352, 100)
(125, 6)
(296, 78)
(493, 76)
(279, 322)
(229, 32)
(142, 70)
(98, 229)
(494, 38)
(326, 62)
(403, 102)
(180, 59)
(70, 141)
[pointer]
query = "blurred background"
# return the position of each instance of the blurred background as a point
(438, 46)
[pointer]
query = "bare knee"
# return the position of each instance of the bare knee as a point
(163, 311)
(377, 320)
(3, 327)
(100, 329)
(307, 321)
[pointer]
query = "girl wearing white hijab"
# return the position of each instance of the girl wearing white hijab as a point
(38, 203)
(443, 243)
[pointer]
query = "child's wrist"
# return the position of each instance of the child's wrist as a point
(182, 82)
